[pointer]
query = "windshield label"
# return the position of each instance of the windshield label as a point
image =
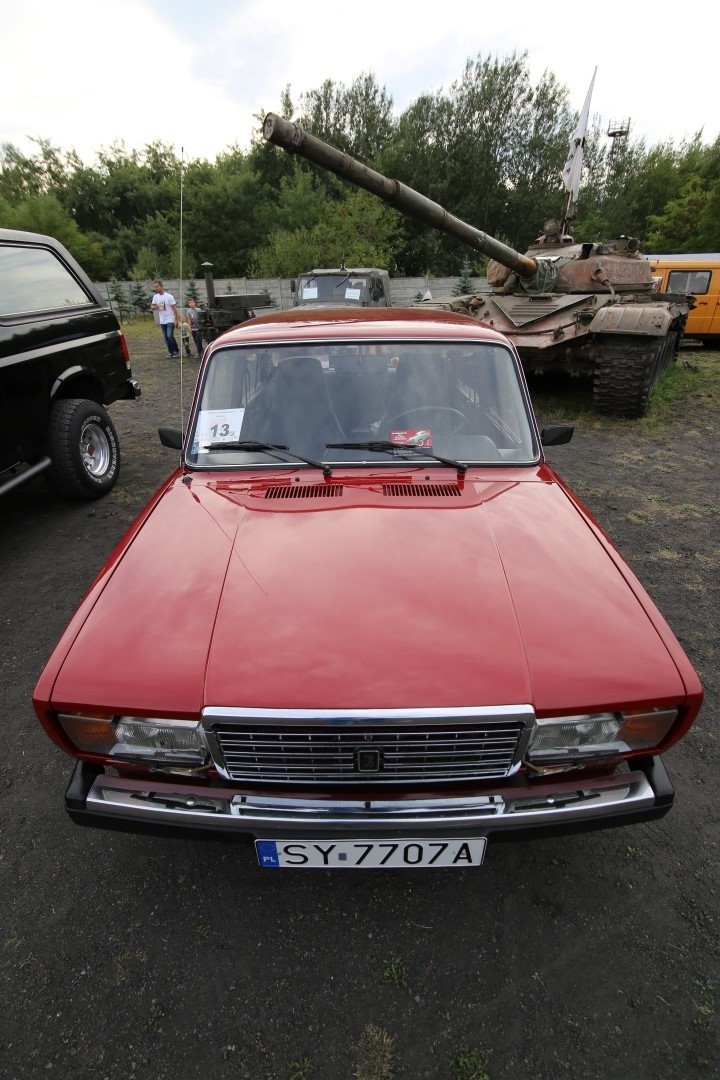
(309, 292)
(352, 294)
(218, 425)
(418, 437)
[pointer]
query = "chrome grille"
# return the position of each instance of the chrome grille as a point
(317, 754)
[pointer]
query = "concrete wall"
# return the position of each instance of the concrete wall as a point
(402, 290)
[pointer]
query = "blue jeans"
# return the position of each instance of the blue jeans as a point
(197, 338)
(168, 330)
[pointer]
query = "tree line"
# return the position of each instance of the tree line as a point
(490, 149)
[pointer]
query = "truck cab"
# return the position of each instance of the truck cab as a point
(342, 287)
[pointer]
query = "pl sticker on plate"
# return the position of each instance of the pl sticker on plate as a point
(417, 437)
(218, 425)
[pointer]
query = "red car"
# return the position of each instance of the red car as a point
(364, 623)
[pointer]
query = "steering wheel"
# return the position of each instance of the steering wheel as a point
(426, 410)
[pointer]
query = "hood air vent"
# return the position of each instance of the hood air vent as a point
(305, 491)
(404, 491)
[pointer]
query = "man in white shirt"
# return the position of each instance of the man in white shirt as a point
(164, 304)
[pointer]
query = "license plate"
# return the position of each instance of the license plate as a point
(369, 854)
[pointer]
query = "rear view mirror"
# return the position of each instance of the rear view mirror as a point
(556, 434)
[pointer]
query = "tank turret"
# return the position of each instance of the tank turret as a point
(584, 309)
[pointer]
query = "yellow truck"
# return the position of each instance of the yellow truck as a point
(698, 275)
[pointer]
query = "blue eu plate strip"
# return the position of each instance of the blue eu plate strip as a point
(267, 853)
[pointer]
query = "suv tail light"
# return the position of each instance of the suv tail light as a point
(124, 347)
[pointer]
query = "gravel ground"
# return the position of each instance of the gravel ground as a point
(591, 956)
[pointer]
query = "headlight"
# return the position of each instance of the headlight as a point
(576, 739)
(137, 738)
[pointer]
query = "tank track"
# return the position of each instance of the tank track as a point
(626, 369)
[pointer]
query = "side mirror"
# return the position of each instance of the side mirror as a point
(556, 434)
(293, 286)
(170, 437)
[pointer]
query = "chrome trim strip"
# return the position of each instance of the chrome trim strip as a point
(369, 716)
(224, 809)
(62, 346)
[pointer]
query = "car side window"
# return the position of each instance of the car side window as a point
(34, 279)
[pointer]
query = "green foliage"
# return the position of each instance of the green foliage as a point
(150, 265)
(470, 1064)
(44, 214)
(359, 229)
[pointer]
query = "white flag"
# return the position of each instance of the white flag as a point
(573, 165)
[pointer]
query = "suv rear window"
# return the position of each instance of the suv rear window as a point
(34, 279)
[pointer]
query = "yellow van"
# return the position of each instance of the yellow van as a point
(700, 276)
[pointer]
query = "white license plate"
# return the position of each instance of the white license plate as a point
(369, 854)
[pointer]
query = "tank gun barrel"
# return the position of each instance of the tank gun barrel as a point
(295, 140)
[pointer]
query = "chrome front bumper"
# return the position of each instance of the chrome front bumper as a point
(165, 805)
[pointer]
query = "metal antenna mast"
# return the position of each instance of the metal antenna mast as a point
(181, 308)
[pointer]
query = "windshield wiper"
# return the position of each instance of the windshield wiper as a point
(342, 281)
(250, 444)
(384, 445)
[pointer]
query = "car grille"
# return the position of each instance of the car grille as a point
(371, 755)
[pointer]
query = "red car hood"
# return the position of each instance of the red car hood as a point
(505, 594)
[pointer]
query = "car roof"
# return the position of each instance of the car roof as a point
(20, 236)
(343, 323)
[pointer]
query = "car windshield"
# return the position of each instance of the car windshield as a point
(462, 401)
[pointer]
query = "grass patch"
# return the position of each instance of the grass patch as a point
(694, 378)
(301, 1069)
(394, 973)
(375, 1054)
(638, 517)
(470, 1064)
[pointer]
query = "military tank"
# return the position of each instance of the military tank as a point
(583, 309)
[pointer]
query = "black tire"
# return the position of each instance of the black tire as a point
(84, 449)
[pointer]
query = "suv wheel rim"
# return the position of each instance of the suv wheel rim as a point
(94, 449)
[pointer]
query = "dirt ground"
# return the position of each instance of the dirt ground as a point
(592, 956)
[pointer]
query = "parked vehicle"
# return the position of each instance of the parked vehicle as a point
(699, 276)
(63, 357)
(367, 624)
(366, 286)
(582, 309)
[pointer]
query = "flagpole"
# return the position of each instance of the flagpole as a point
(573, 166)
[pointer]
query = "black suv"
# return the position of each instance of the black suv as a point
(62, 357)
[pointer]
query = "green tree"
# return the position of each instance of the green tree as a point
(149, 265)
(44, 214)
(357, 118)
(139, 298)
(464, 284)
(191, 291)
(118, 300)
(359, 229)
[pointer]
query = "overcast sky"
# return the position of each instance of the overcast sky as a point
(86, 73)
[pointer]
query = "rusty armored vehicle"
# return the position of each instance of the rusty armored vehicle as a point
(583, 309)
